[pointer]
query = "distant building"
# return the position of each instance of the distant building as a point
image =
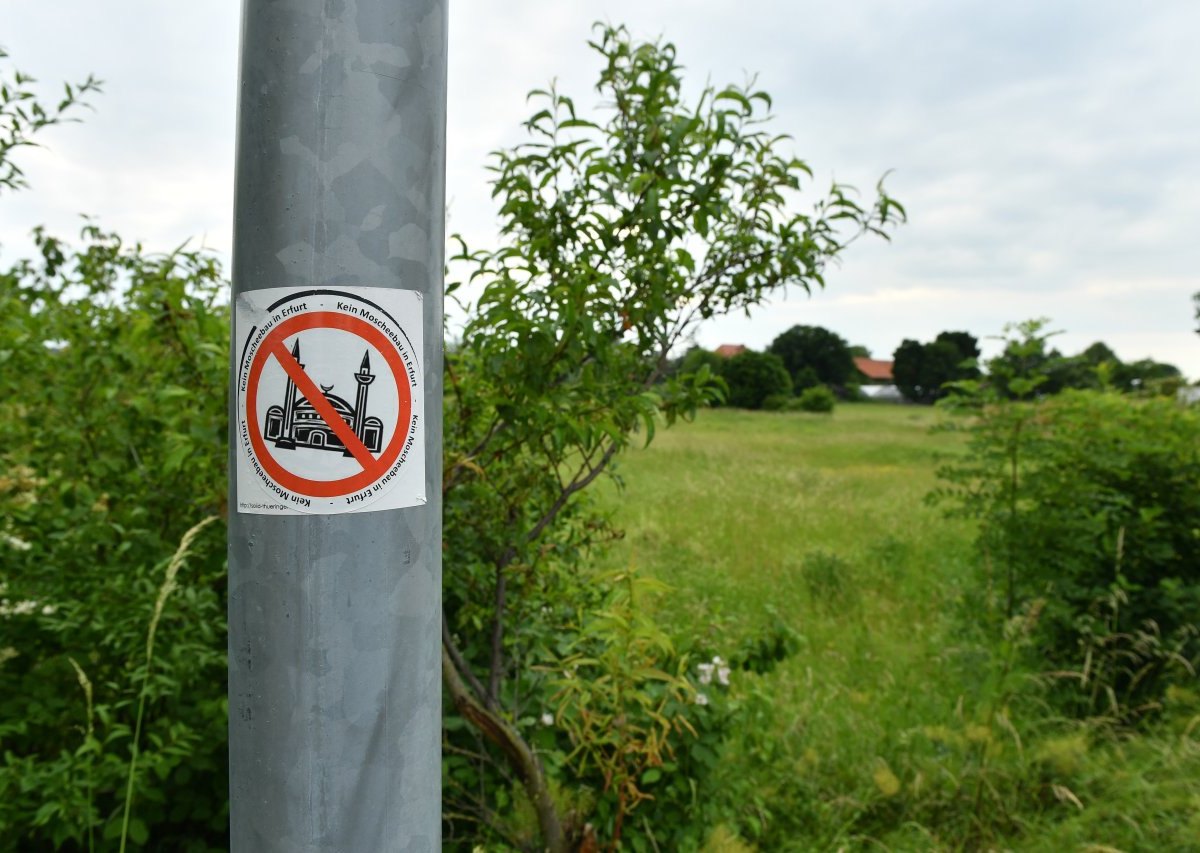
(729, 350)
(874, 371)
(878, 383)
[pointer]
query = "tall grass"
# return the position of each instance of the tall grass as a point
(168, 586)
(904, 720)
(85, 685)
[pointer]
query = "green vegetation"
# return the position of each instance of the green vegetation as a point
(789, 647)
(112, 654)
(904, 710)
(1087, 504)
(23, 115)
(1028, 364)
(816, 399)
(620, 231)
(620, 235)
(754, 378)
(814, 356)
(923, 370)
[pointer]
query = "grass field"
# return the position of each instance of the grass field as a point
(900, 720)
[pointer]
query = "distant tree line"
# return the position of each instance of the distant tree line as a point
(809, 367)
(1028, 366)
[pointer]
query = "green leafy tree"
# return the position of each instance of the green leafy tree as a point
(1148, 375)
(1083, 501)
(621, 232)
(1099, 353)
(814, 356)
(1095, 367)
(1099, 367)
(966, 344)
(1026, 364)
(752, 377)
(908, 364)
(922, 372)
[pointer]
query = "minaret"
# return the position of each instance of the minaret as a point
(287, 436)
(364, 377)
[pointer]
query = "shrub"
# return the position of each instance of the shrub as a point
(819, 399)
(1089, 502)
(778, 403)
(753, 377)
(112, 424)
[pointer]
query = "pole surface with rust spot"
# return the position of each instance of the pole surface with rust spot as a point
(334, 620)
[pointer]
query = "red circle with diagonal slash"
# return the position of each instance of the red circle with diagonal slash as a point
(373, 467)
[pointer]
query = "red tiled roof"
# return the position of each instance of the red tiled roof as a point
(873, 368)
(729, 350)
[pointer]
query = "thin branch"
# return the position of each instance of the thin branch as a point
(519, 754)
(576, 485)
(579, 482)
(450, 478)
(496, 664)
(460, 664)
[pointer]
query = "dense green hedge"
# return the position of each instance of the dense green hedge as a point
(1089, 504)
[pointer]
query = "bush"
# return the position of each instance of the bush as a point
(819, 399)
(753, 377)
(112, 424)
(1088, 502)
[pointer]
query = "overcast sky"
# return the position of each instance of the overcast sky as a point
(1048, 152)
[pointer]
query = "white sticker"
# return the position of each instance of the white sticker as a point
(330, 394)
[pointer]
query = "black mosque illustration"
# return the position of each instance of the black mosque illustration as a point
(298, 424)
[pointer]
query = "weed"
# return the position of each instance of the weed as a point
(168, 586)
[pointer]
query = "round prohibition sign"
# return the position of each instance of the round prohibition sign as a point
(373, 467)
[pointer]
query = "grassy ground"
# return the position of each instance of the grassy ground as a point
(730, 509)
(900, 720)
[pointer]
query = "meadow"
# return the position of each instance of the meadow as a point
(902, 714)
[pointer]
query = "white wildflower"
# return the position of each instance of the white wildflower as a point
(701, 699)
(48, 609)
(723, 676)
(706, 672)
(547, 719)
(16, 543)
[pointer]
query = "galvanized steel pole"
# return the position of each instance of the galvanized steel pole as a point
(334, 618)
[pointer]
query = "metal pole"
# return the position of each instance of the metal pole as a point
(335, 604)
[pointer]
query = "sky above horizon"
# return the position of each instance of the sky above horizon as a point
(1046, 152)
